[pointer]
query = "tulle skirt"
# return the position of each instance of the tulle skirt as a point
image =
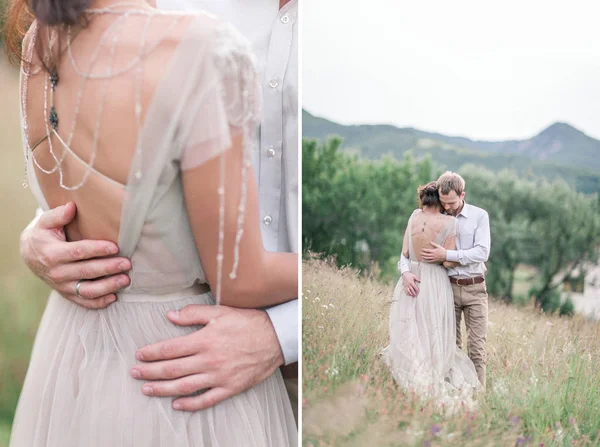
(422, 354)
(78, 390)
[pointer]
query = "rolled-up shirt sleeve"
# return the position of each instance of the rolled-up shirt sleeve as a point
(403, 265)
(284, 318)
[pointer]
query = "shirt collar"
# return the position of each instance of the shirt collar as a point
(466, 210)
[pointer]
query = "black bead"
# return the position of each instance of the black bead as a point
(53, 118)
(53, 78)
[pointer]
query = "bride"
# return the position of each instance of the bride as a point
(422, 353)
(145, 120)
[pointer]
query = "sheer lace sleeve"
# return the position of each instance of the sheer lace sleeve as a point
(215, 138)
(448, 234)
(226, 102)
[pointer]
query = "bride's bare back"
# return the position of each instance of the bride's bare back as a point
(98, 116)
(426, 227)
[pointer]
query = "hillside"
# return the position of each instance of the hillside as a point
(560, 151)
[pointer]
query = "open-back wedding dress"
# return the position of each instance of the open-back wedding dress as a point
(192, 87)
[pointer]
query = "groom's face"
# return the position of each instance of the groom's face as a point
(451, 201)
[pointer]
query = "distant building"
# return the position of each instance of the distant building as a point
(584, 290)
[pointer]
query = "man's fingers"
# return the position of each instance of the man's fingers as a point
(91, 290)
(433, 244)
(85, 249)
(57, 217)
(92, 269)
(205, 400)
(192, 314)
(98, 303)
(179, 387)
(169, 349)
(169, 369)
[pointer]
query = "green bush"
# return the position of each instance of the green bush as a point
(567, 308)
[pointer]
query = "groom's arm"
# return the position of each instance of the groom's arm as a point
(234, 351)
(480, 251)
(59, 263)
(403, 264)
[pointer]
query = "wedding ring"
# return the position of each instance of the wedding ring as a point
(77, 286)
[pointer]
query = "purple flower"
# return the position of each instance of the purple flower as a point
(426, 444)
(515, 420)
(520, 440)
(435, 429)
(362, 351)
(572, 420)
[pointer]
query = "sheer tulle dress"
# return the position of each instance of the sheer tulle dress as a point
(78, 390)
(422, 354)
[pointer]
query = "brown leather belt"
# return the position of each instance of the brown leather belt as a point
(467, 281)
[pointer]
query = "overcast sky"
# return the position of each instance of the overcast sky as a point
(480, 69)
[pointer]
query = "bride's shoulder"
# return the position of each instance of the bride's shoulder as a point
(210, 28)
(218, 39)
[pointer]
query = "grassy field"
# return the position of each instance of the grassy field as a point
(543, 376)
(22, 297)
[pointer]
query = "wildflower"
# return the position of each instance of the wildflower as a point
(520, 440)
(332, 372)
(515, 421)
(435, 429)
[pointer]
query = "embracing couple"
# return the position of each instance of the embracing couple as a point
(162, 149)
(446, 243)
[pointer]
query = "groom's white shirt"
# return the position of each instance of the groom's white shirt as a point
(273, 34)
(473, 241)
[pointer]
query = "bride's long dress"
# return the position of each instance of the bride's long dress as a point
(78, 390)
(422, 354)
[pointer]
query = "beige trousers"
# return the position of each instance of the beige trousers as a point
(472, 301)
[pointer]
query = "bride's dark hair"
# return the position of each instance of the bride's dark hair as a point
(428, 195)
(49, 13)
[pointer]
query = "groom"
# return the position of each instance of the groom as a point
(247, 345)
(468, 279)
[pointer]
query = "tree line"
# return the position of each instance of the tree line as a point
(357, 211)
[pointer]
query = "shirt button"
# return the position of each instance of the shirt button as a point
(267, 220)
(285, 18)
(274, 83)
(270, 152)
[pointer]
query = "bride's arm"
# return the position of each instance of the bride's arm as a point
(450, 244)
(263, 278)
(405, 243)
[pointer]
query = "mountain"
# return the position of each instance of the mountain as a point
(558, 151)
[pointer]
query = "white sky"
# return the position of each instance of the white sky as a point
(480, 69)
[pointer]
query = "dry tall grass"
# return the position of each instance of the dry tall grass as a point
(543, 375)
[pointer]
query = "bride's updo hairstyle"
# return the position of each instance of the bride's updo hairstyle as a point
(428, 196)
(48, 13)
